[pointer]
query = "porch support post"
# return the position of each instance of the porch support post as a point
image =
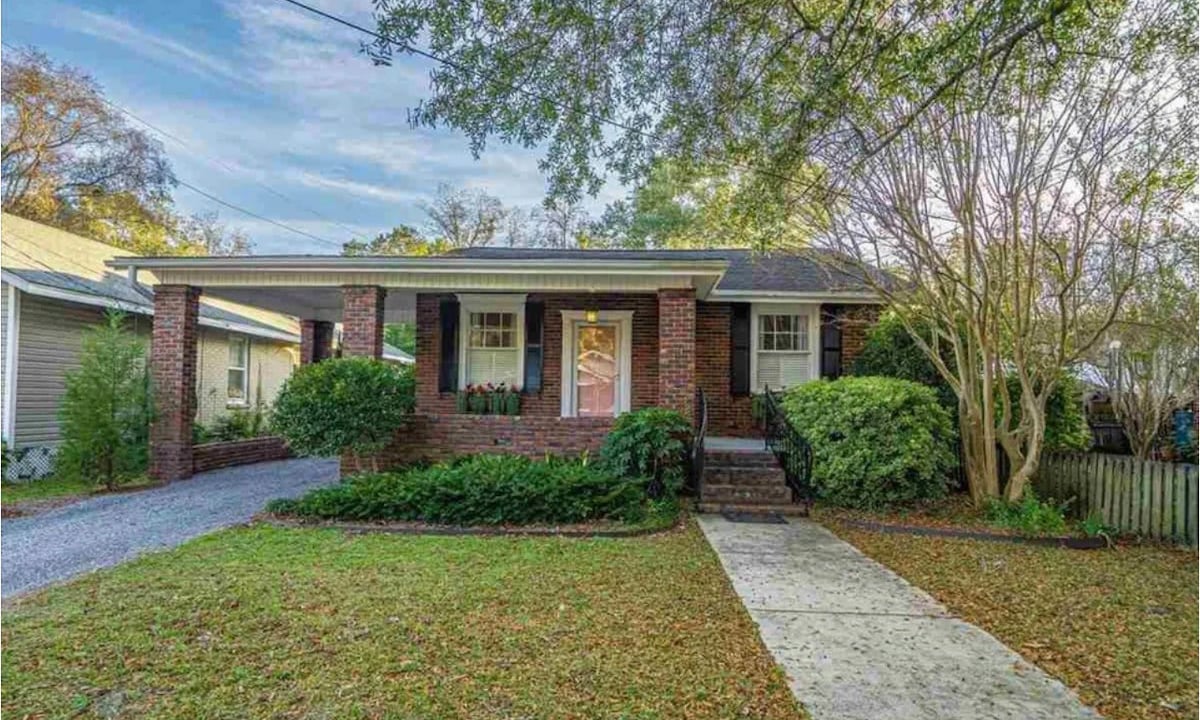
(173, 372)
(362, 320)
(677, 349)
(316, 341)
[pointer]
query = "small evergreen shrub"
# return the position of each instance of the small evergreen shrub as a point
(237, 424)
(483, 490)
(106, 410)
(1030, 516)
(352, 405)
(876, 441)
(650, 443)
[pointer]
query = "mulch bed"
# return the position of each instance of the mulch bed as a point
(1066, 541)
(577, 530)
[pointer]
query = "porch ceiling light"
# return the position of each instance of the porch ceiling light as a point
(592, 315)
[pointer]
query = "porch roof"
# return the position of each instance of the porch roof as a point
(309, 286)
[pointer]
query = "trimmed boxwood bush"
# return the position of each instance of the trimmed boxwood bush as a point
(649, 443)
(876, 441)
(483, 490)
(352, 404)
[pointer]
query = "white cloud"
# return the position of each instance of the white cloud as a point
(353, 187)
(147, 44)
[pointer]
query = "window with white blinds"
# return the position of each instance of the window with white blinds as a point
(493, 349)
(782, 351)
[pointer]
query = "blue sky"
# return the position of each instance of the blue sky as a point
(265, 94)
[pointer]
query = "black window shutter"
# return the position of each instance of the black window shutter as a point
(448, 368)
(535, 313)
(831, 345)
(739, 349)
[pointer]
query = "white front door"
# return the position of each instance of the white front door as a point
(596, 364)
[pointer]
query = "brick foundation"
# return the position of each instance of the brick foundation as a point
(362, 320)
(211, 456)
(316, 341)
(442, 437)
(173, 373)
(676, 350)
(728, 415)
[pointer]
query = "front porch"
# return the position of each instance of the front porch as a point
(581, 345)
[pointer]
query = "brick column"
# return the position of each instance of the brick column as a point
(173, 371)
(677, 350)
(316, 341)
(428, 355)
(362, 320)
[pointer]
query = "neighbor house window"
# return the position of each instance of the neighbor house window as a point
(782, 355)
(493, 352)
(239, 357)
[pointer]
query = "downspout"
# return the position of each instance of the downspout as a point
(11, 333)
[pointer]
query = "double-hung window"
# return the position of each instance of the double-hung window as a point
(782, 349)
(238, 374)
(493, 330)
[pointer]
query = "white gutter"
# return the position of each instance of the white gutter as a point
(11, 335)
(440, 264)
(829, 296)
(103, 301)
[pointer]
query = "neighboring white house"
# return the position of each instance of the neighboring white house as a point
(55, 285)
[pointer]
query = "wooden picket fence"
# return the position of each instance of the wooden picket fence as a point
(1144, 497)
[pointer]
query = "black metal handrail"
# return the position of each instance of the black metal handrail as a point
(790, 448)
(701, 429)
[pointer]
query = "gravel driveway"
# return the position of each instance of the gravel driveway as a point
(106, 530)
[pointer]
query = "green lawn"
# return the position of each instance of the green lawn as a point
(264, 621)
(42, 490)
(51, 487)
(1119, 626)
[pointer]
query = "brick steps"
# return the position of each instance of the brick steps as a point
(787, 509)
(748, 481)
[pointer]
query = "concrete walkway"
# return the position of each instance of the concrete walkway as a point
(109, 529)
(857, 641)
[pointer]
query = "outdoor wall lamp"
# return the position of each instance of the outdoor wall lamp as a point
(591, 315)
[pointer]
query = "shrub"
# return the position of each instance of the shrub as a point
(106, 409)
(236, 424)
(876, 441)
(481, 490)
(352, 405)
(650, 443)
(890, 351)
(1030, 516)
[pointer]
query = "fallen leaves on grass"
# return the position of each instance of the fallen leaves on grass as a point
(1119, 626)
(273, 622)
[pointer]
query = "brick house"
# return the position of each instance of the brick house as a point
(584, 334)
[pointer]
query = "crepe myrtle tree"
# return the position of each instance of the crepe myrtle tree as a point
(1021, 213)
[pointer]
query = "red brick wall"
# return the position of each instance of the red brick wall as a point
(362, 320)
(547, 402)
(677, 350)
(211, 456)
(316, 341)
(173, 372)
(442, 437)
(727, 415)
(855, 321)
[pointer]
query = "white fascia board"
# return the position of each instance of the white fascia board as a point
(104, 301)
(334, 263)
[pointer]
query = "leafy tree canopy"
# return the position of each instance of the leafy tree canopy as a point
(612, 85)
(400, 240)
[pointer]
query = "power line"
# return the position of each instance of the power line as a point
(255, 215)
